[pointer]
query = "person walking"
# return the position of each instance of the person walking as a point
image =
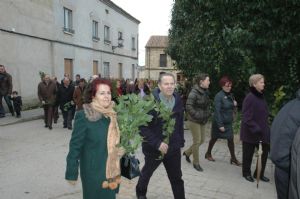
(47, 96)
(283, 132)
(5, 91)
(17, 102)
(225, 105)
(93, 145)
(153, 145)
(66, 103)
(254, 127)
(198, 113)
(78, 94)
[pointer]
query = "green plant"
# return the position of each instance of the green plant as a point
(279, 95)
(168, 122)
(132, 113)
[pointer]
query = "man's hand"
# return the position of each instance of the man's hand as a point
(163, 148)
(222, 129)
(43, 102)
(234, 103)
(72, 182)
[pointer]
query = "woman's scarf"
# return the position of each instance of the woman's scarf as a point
(114, 153)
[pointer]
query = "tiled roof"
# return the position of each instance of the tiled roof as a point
(157, 41)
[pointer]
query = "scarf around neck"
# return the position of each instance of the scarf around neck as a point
(114, 153)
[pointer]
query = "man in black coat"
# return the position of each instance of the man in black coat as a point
(66, 103)
(283, 131)
(154, 145)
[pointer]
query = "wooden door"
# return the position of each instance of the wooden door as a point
(69, 67)
(95, 68)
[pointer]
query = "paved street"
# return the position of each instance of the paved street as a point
(32, 166)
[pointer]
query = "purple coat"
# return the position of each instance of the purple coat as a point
(254, 127)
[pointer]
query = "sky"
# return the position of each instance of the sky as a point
(154, 15)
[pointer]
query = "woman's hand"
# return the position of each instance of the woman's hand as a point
(72, 182)
(222, 129)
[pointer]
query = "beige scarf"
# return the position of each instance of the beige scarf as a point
(113, 138)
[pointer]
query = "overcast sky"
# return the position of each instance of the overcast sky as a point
(154, 15)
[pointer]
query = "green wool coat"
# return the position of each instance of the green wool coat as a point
(223, 115)
(88, 148)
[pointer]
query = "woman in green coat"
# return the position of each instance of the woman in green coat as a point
(224, 104)
(93, 145)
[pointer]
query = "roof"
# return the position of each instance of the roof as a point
(120, 10)
(157, 41)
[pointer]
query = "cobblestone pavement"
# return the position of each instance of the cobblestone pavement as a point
(32, 165)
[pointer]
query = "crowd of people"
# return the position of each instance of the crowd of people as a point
(94, 139)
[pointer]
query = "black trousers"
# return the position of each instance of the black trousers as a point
(48, 115)
(248, 151)
(68, 117)
(172, 164)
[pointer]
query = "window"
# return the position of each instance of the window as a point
(133, 43)
(106, 34)
(95, 30)
(68, 21)
(120, 36)
(163, 60)
(106, 70)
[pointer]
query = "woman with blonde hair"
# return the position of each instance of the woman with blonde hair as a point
(254, 126)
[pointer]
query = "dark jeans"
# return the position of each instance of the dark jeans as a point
(248, 151)
(172, 163)
(282, 179)
(8, 102)
(48, 115)
(68, 117)
(55, 113)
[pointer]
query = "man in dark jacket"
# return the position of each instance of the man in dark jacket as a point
(5, 91)
(154, 145)
(283, 131)
(66, 103)
(47, 95)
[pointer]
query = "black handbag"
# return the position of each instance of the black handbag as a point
(130, 167)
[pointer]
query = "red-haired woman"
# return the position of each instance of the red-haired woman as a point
(224, 105)
(93, 144)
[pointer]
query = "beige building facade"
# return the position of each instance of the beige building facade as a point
(66, 36)
(157, 60)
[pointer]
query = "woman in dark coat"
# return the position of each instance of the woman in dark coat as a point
(198, 113)
(254, 127)
(93, 145)
(223, 118)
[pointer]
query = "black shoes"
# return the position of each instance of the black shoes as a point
(187, 158)
(46, 126)
(265, 179)
(50, 127)
(262, 178)
(249, 178)
(198, 167)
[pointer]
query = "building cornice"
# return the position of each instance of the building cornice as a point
(120, 10)
(66, 43)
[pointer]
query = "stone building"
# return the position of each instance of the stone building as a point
(66, 36)
(157, 60)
